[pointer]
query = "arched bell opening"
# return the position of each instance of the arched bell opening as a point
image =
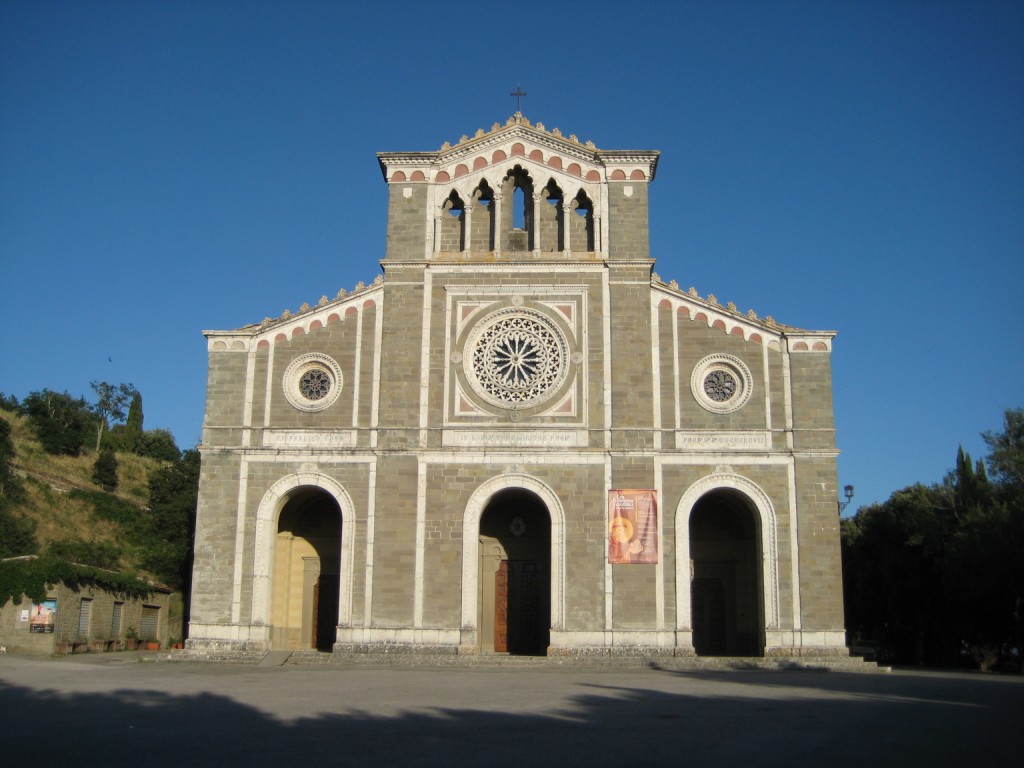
(451, 238)
(726, 604)
(482, 235)
(550, 219)
(306, 580)
(518, 218)
(581, 223)
(515, 575)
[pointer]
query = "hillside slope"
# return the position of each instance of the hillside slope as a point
(73, 517)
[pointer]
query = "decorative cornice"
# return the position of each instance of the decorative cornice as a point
(731, 315)
(518, 126)
(343, 297)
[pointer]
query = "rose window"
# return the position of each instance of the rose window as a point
(720, 385)
(315, 384)
(312, 382)
(516, 357)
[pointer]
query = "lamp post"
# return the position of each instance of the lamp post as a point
(848, 492)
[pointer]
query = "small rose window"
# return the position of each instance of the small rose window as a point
(312, 382)
(721, 383)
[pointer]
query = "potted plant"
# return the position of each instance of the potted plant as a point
(151, 644)
(131, 639)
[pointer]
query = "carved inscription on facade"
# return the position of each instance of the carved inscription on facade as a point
(717, 441)
(570, 438)
(294, 438)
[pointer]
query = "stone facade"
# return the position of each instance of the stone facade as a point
(425, 463)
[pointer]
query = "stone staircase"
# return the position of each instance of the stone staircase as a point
(406, 660)
(669, 663)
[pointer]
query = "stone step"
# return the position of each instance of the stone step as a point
(223, 656)
(499, 661)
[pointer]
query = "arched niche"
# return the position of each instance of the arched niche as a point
(271, 506)
(478, 504)
(748, 494)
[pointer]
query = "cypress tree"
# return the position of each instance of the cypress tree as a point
(133, 429)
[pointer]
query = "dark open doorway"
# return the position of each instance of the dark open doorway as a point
(306, 572)
(726, 603)
(515, 570)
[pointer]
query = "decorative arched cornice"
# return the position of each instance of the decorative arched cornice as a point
(519, 138)
(308, 318)
(471, 543)
(767, 525)
(267, 514)
(732, 322)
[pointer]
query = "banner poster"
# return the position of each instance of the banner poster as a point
(633, 526)
(44, 616)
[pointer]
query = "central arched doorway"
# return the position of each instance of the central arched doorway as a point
(307, 548)
(515, 574)
(725, 590)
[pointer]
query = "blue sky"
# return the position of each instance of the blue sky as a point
(170, 167)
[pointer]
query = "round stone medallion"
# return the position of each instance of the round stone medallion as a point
(721, 383)
(312, 382)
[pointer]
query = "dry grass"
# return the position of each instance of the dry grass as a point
(57, 515)
(29, 456)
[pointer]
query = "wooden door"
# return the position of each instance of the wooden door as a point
(316, 613)
(524, 607)
(501, 608)
(518, 608)
(709, 617)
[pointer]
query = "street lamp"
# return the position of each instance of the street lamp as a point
(848, 492)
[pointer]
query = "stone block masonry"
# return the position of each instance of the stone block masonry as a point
(423, 465)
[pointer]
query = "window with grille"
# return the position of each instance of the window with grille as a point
(115, 620)
(150, 622)
(85, 617)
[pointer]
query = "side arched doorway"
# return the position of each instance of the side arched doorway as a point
(515, 575)
(307, 548)
(726, 600)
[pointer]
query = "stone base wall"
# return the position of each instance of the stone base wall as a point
(228, 639)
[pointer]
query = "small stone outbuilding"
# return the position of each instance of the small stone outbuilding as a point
(86, 618)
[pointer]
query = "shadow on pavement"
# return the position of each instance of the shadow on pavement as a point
(721, 719)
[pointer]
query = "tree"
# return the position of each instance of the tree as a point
(158, 444)
(111, 401)
(934, 574)
(59, 420)
(104, 470)
(17, 533)
(11, 489)
(133, 428)
(173, 496)
(1006, 450)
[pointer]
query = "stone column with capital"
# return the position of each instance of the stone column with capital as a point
(496, 223)
(567, 212)
(535, 225)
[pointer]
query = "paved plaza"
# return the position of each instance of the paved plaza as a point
(116, 709)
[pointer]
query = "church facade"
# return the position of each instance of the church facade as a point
(518, 438)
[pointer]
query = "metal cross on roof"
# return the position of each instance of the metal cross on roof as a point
(518, 93)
